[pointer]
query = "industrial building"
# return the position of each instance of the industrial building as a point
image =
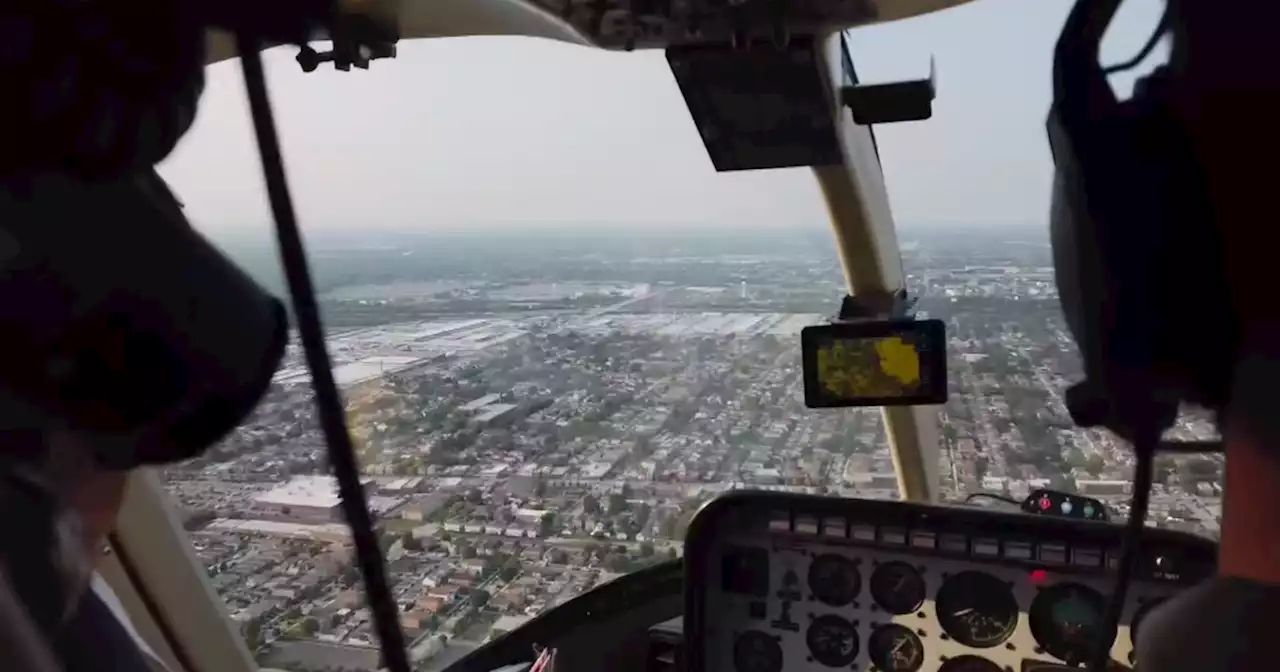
(306, 499)
(354, 373)
(697, 325)
(487, 410)
(367, 355)
(323, 532)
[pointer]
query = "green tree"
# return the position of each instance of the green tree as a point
(1062, 483)
(310, 626)
(641, 513)
(509, 572)
(253, 634)
(591, 505)
(669, 527)
(617, 504)
(617, 562)
(646, 549)
(1095, 464)
(547, 525)
(479, 598)
(1199, 469)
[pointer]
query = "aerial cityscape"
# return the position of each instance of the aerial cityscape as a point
(538, 417)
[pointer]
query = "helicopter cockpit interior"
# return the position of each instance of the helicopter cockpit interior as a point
(779, 582)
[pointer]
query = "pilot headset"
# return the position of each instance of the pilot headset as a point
(1138, 261)
(1130, 220)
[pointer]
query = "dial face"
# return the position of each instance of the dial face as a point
(832, 641)
(897, 587)
(894, 648)
(969, 664)
(1066, 620)
(834, 580)
(755, 651)
(977, 609)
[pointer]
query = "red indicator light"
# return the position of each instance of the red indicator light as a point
(1038, 577)
(1045, 503)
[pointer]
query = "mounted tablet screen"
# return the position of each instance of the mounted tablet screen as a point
(883, 363)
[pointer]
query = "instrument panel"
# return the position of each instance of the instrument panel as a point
(788, 582)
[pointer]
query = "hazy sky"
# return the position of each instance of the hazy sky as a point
(484, 132)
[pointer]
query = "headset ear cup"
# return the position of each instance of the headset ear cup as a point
(1069, 268)
(1078, 244)
(1105, 247)
(1137, 259)
(1198, 337)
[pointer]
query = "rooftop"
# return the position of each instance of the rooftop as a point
(371, 368)
(279, 529)
(318, 491)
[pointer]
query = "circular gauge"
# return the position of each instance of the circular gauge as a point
(834, 580)
(1139, 616)
(1066, 620)
(754, 651)
(976, 609)
(897, 587)
(832, 641)
(893, 648)
(969, 664)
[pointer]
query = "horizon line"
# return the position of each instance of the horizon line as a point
(606, 228)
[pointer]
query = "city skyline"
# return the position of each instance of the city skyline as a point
(532, 422)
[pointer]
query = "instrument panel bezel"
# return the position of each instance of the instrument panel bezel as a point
(1170, 557)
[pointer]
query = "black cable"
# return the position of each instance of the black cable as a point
(328, 401)
(1131, 542)
(992, 495)
(1161, 28)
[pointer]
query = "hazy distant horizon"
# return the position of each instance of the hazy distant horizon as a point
(604, 229)
(497, 133)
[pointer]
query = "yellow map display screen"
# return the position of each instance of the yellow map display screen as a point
(873, 367)
(874, 364)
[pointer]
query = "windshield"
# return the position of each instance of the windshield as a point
(558, 331)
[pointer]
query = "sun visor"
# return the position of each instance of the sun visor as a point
(122, 324)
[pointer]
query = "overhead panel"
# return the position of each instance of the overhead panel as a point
(657, 24)
(758, 106)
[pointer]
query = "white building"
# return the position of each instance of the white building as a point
(303, 498)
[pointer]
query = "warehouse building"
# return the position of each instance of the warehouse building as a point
(304, 499)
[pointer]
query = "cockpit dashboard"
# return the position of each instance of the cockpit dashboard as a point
(778, 582)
